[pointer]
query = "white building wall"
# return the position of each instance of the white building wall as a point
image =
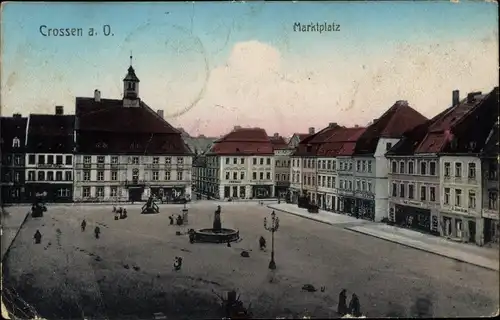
(248, 167)
(467, 184)
(381, 178)
(125, 167)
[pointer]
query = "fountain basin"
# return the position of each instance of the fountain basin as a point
(223, 235)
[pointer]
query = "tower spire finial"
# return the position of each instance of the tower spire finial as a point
(131, 57)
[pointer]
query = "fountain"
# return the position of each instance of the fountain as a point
(216, 234)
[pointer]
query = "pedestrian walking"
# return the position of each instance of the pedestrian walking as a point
(342, 306)
(97, 231)
(177, 263)
(354, 306)
(84, 225)
(38, 237)
(262, 243)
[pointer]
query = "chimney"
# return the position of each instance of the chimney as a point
(471, 97)
(97, 95)
(356, 126)
(455, 97)
(311, 130)
(332, 124)
(402, 102)
(59, 110)
(160, 113)
(375, 120)
(17, 115)
(236, 128)
(276, 135)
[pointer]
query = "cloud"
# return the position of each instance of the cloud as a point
(259, 87)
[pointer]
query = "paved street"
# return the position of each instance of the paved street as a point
(128, 271)
(469, 253)
(10, 225)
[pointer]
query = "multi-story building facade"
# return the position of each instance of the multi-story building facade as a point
(295, 187)
(490, 166)
(414, 183)
(304, 164)
(371, 147)
(460, 167)
(335, 170)
(126, 151)
(12, 149)
(282, 154)
(434, 184)
(49, 159)
(241, 165)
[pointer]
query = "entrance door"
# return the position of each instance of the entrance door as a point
(487, 230)
(472, 231)
(134, 194)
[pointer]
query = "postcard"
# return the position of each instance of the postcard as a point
(249, 159)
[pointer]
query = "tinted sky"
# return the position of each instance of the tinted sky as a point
(211, 66)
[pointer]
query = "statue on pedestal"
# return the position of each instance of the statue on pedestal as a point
(217, 223)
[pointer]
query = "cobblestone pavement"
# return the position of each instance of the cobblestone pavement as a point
(129, 272)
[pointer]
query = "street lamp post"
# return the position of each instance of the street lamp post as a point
(273, 227)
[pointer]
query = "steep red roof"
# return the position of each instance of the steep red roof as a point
(105, 142)
(278, 142)
(309, 146)
(435, 135)
(341, 143)
(243, 141)
(399, 119)
(440, 130)
(110, 115)
(50, 133)
(107, 127)
(302, 136)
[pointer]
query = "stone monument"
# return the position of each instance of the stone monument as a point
(217, 226)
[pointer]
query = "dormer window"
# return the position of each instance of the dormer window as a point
(16, 143)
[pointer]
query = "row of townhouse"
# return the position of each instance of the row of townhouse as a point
(246, 163)
(345, 170)
(434, 175)
(12, 148)
(110, 150)
(443, 175)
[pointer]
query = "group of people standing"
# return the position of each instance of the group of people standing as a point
(97, 230)
(354, 305)
(83, 225)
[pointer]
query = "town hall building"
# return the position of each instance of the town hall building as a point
(125, 151)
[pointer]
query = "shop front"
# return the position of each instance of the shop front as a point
(13, 194)
(462, 227)
(365, 208)
(491, 231)
(418, 219)
(234, 192)
(262, 191)
(50, 192)
(280, 191)
(346, 205)
(168, 193)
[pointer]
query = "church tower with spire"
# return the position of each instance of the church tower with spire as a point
(131, 88)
